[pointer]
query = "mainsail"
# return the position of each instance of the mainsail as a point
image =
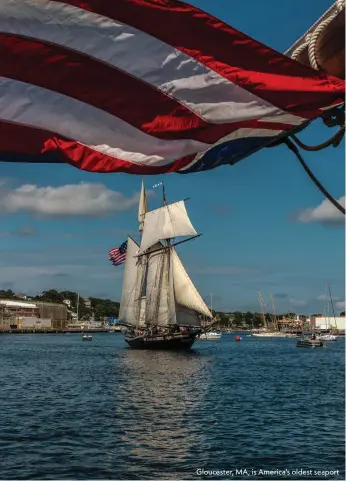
(157, 291)
(131, 299)
(160, 306)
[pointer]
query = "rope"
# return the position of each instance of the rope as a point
(312, 37)
(318, 184)
(302, 47)
(335, 141)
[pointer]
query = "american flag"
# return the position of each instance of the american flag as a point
(144, 87)
(118, 255)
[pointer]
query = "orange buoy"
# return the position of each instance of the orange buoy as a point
(237, 338)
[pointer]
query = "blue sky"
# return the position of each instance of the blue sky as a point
(260, 229)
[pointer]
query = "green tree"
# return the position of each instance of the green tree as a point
(7, 294)
(104, 308)
(238, 319)
(52, 295)
(258, 321)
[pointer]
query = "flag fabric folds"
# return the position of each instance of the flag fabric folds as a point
(144, 87)
(118, 254)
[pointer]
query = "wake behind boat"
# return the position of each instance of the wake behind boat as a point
(160, 307)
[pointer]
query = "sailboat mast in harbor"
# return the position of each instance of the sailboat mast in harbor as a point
(160, 307)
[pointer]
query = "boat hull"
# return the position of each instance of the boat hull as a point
(168, 343)
(268, 334)
(208, 336)
(310, 344)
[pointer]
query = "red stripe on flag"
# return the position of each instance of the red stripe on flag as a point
(283, 82)
(22, 139)
(91, 160)
(28, 142)
(76, 75)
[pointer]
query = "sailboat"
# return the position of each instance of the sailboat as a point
(265, 332)
(160, 307)
(329, 336)
(86, 336)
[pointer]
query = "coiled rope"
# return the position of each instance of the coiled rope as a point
(312, 37)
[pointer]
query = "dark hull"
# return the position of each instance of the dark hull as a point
(310, 344)
(171, 343)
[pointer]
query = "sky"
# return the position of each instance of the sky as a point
(265, 225)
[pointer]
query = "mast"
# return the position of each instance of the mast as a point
(275, 318)
(77, 307)
(261, 304)
(331, 301)
(142, 207)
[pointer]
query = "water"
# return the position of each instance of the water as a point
(97, 410)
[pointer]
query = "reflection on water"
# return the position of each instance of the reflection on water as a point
(99, 410)
(162, 392)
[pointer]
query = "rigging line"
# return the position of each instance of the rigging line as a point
(332, 303)
(318, 184)
(335, 140)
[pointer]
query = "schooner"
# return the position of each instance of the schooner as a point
(160, 306)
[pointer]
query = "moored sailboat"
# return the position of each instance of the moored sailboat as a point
(160, 306)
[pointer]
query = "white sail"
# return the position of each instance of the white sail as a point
(142, 208)
(185, 292)
(160, 306)
(132, 284)
(164, 223)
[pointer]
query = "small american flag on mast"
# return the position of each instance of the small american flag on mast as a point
(118, 254)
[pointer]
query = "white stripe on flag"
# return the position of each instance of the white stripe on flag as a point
(33, 106)
(140, 55)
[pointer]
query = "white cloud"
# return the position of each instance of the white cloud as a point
(297, 302)
(324, 213)
(85, 198)
(340, 305)
(325, 297)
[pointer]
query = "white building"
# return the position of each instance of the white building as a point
(87, 303)
(327, 323)
(67, 302)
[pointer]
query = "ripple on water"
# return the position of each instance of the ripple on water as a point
(74, 410)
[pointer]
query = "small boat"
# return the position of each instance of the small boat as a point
(209, 336)
(268, 334)
(310, 342)
(87, 337)
(327, 337)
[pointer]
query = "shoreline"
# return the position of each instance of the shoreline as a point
(55, 331)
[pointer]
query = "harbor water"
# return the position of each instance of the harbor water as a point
(99, 410)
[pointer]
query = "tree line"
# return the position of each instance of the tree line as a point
(101, 308)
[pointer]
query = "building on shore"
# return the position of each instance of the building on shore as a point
(325, 323)
(32, 315)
